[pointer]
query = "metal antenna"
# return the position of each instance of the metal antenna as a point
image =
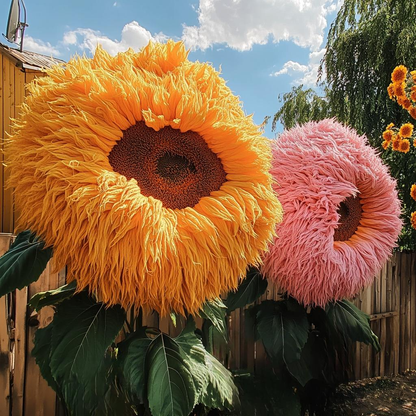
(23, 25)
(15, 27)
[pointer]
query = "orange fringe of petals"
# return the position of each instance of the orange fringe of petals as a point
(126, 247)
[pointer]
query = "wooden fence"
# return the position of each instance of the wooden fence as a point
(390, 301)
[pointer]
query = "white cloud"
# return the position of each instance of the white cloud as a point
(304, 74)
(39, 46)
(132, 36)
(240, 24)
(290, 67)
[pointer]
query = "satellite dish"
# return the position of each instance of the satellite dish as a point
(15, 27)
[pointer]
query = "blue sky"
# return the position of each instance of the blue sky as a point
(263, 47)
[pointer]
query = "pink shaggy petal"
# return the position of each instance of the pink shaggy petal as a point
(316, 167)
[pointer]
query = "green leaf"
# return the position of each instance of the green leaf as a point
(132, 363)
(193, 352)
(23, 263)
(211, 338)
(215, 311)
(42, 352)
(170, 385)
(214, 383)
(345, 318)
(221, 391)
(283, 328)
(91, 398)
(53, 297)
(251, 288)
(81, 334)
(312, 362)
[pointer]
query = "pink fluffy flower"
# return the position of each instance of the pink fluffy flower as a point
(341, 213)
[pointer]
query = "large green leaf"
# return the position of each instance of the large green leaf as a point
(313, 360)
(171, 390)
(283, 328)
(82, 332)
(84, 398)
(193, 352)
(42, 353)
(215, 311)
(345, 318)
(211, 338)
(214, 383)
(250, 289)
(52, 297)
(132, 363)
(221, 391)
(23, 263)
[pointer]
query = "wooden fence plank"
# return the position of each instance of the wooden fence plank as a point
(40, 399)
(9, 113)
(396, 300)
(19, 94)
(404, 299)
(5, 356)
(388, 366)
(412, 311)
(19, 352)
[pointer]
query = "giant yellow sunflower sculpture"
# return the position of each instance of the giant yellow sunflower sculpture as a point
(144, 174)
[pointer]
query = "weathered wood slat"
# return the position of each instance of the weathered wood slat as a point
(413, 312)
(5, 355)
(39, 397)
(8, 113)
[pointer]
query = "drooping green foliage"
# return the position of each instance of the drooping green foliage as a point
(310, 345)
(23, 263)
(171, 388)
(283, 327)
(146, 373)
(366, 41)
(52, 297)
(132, 364)
(301, 105)
(72, 352)
(250, 289)
(216, 386)
(215, 312)
(345, 318)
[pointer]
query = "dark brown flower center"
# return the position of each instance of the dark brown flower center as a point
(176, 168)
(350, 212)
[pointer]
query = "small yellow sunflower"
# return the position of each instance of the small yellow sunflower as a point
(399, 90)
(395, 144)
(388, 135)
(413, 220)
(399, 74)
(385, 144)
(404, 146)
(406, 130)
(412, 111)
(390, 91)
(413, 191)
(145, 175)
